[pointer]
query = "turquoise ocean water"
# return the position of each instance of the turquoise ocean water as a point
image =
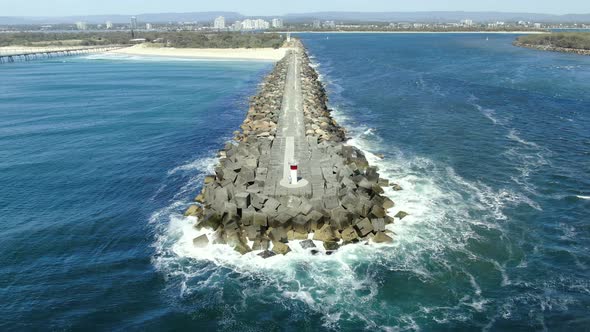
(99, 156)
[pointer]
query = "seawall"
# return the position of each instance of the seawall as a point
(246, 202)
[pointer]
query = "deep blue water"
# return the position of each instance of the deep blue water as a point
(491, 143)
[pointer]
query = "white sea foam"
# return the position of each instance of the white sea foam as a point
(583, 197)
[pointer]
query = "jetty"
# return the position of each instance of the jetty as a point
(289, 177)
(8, 55)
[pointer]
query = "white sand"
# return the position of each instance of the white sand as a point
(207, 53)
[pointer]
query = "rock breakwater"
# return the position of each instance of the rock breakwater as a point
(553, 48)
(246, 207)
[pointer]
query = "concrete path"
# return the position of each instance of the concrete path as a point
(290, 143)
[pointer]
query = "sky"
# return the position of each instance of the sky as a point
(278, 7)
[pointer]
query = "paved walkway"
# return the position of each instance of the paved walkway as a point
(290, 142)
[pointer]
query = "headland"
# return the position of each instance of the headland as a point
(254, 203)
(565, 42)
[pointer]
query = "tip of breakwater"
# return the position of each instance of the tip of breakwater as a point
(244, 206)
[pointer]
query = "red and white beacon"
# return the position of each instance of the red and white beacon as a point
(293, 167)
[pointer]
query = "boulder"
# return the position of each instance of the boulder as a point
(339, 218)
(211, 220)
(381, 237)
(387, 203)
(306, 244)
(242, 200)
(261, 244)
(200, 198)
(378, 224)
(201, 241)
(401, 214)
(280, 248)
(396, 187)
(331, 245)
(378, 211)
(231, 212)
(300, 224)
(278, 234)
(293, 235)
(363, 227)
(260, 219)
(266, 254)
(258, 201)
(325, 234)
(242, 248)
(348, 234)
(192, 210)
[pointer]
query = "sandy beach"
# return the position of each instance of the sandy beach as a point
(268, 54)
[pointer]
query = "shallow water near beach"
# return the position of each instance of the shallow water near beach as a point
(100, 155)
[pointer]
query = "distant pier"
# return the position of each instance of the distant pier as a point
(29, 54)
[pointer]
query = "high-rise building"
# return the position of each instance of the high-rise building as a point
(277, 23)
(330, 24)
(219, 23)
(237, 26)
(148, 26)
(467, 22)
(81, 26)
(317, 24)
(109, 25)
(133, 22)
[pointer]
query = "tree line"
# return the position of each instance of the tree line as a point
(577, 40)
(181, 39)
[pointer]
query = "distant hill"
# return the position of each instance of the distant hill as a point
(152, 18)
(441, 16)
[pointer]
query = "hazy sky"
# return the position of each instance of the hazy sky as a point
(276, 7)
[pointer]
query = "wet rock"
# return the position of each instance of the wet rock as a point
(266, 254)
(280, 248)
(378, 211)
(278, 234)
(306, 244)
(348, 234)
(242, 248)
(200, 198)
(201, 241)
(378, 224)
(331, 245)
(387, 203)
(325, 234)
(401, 214)
(381, 237)
(396, 187)
(192, 210)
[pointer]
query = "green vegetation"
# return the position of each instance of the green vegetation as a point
(576, 40)
(183, 39)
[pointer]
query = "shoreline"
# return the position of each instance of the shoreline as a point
(239, 54)
(421, 32)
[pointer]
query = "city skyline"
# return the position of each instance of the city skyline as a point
(273, 8)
